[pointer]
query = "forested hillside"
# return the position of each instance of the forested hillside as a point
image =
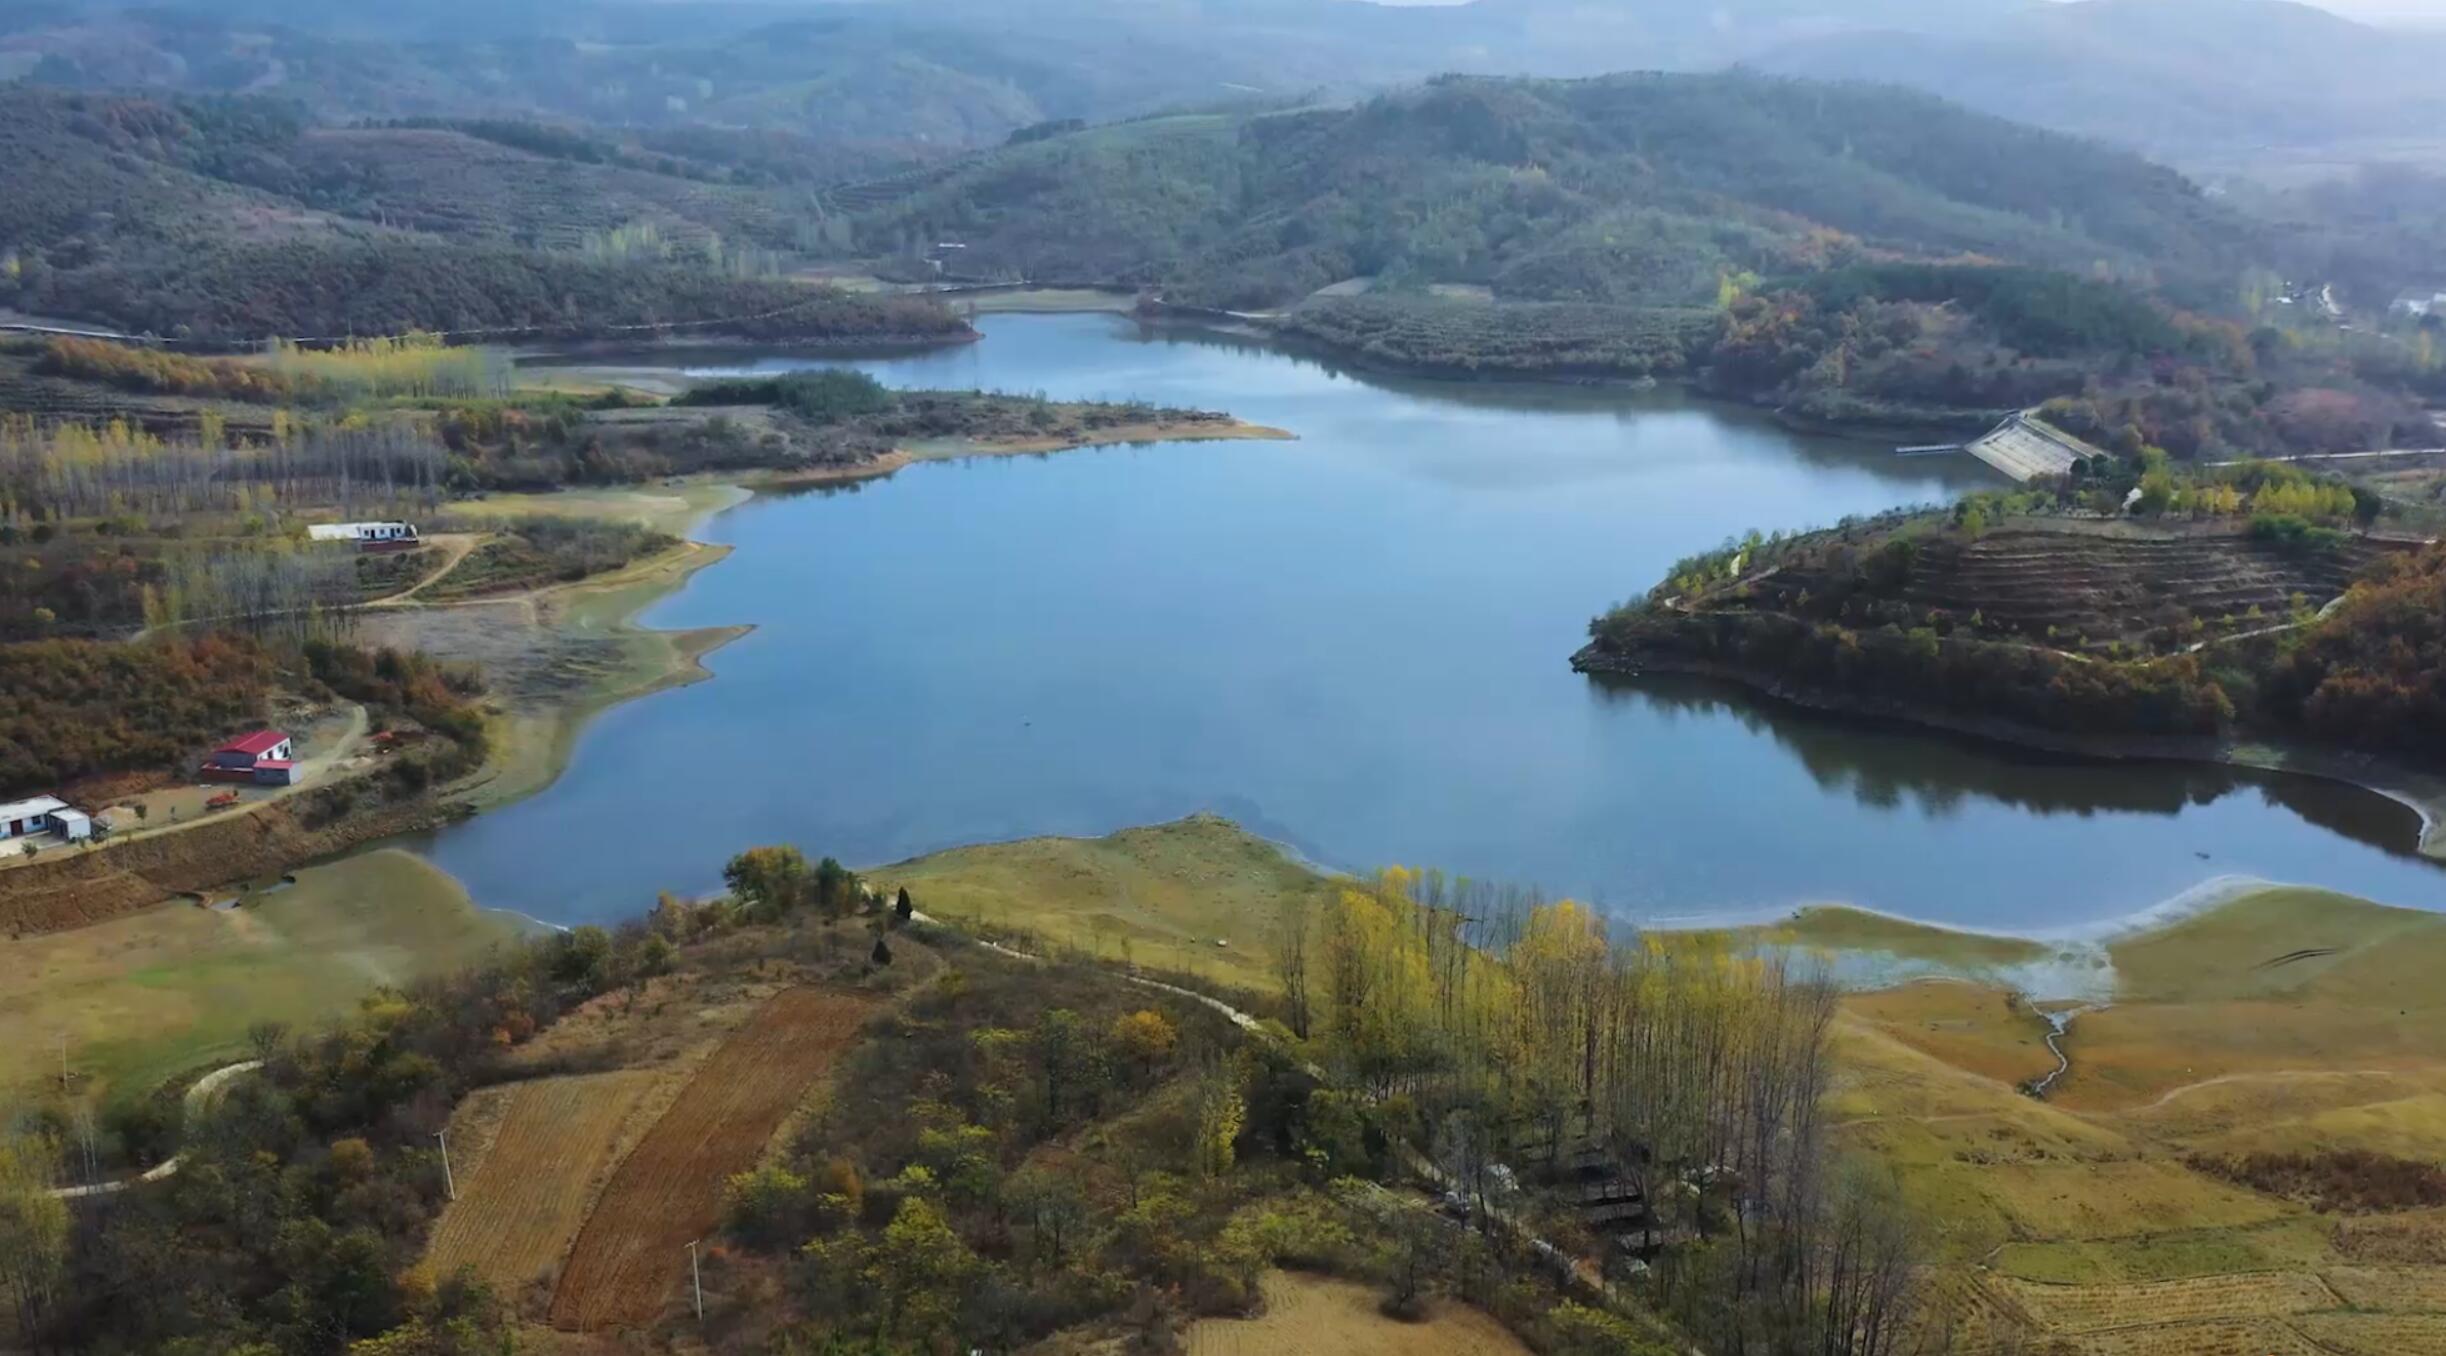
(231, 220)
(909, 75)
(1629, 189)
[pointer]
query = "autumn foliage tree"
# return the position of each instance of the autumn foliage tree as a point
(1514, 1032)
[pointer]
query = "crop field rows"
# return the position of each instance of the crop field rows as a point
(526, 1199)
(2104, 588)
(2076, 1309)
(668, 1192)
(2377, 1334)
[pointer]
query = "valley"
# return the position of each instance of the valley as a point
(1069, 679)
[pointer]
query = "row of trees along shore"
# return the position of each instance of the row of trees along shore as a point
(1507, 1035)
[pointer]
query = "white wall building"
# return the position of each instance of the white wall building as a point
(21, 818)
(363, 534)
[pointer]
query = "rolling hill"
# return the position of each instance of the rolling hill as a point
(232, 220)
(1637, 189)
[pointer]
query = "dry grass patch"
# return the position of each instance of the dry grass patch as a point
(2418, 1289)
(668, 1191)
(2415, 1237)
(1316, 1316)
(2206, 1337)
(1990, 1032)
(2281, 942)
(2377, 1334)
(1163, 896)
(2117, 1199)
(2095, 1308)
(144, 998)
(522, 1200)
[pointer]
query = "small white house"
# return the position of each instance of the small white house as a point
(2420, 302)
(74, 825)
(365, 536)
(23, 818)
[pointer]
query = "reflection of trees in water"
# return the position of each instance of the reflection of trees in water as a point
(1885, 763)
(1622, 401)
(2362, 816)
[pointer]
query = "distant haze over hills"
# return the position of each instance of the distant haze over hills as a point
(2185, 79)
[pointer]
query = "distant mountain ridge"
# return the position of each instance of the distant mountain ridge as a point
(2174, 77)
(1647, 189)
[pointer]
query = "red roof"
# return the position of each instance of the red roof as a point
(257, 744)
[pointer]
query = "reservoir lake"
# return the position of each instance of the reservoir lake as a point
(1357, 644)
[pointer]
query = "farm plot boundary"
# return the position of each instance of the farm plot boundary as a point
(523, 1202)
(667, 1192)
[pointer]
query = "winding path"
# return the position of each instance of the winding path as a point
(206, 1089)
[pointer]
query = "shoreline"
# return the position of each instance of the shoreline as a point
(1268, 328)
(534, 747)
(963, 449)
(2422, 793)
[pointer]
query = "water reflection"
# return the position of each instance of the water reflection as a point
(1358, 643)
(1891, 765)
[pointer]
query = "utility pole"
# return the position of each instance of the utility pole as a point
(450, 1184)
(696, 1279)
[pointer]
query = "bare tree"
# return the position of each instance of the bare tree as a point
(1291, 925)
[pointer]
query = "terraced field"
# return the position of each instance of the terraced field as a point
(2377, 1334)
(668, 1191)
(2076, 1309)
(525, 1198)
(2083, 586)
(2086, 1223)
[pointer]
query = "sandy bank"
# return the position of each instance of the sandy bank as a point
(955, 449)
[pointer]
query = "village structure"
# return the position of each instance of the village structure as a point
(264, 758)
(41, 815)
(368, 536)
(259, 758)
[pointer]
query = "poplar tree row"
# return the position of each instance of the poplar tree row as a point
(1530, 1051)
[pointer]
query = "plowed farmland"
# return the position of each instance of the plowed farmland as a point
(526, 1198)
(1312, 1316)
(668, 1191)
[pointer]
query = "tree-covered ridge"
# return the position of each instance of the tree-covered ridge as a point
(2206, 613)
(77, 708)
(225, 220)
(2373, 674)
(1543, 339)
(1637, 188)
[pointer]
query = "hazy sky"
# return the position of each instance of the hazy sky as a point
(2374, 11)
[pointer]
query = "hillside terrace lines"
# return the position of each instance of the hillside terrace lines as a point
(2094, 589)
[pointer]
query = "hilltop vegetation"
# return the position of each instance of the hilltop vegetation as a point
(2207, 618)
(81, 708)
(223, 220)
(1627, 189)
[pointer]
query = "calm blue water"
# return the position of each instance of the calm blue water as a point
(1356, 643)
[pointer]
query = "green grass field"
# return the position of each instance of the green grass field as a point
(1163, 896)
(144, 999)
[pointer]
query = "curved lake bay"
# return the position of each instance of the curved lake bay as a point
(1355, 643)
